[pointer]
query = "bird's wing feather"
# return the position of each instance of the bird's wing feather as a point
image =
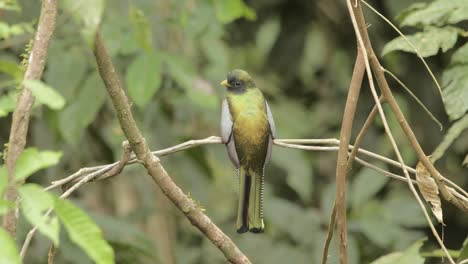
(226, 133)
(271, 121)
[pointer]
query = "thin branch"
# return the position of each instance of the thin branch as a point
(345, 136)
(360, 28)
(51, 254)
(153, 164)
(386, 91)
(402, 84)
(412, 45)
(97, 176)
(97, 173)
(22, 113)
(349, 165)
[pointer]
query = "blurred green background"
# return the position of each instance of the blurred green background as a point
(171, 56)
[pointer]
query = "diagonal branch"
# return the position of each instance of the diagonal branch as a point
(153, 164)
(359, 25)
(387, 93)
(22, 113)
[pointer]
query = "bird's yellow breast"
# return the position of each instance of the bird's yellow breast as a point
(250, 124)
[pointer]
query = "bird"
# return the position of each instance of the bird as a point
(248, 131)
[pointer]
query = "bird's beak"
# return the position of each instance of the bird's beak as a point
(225, 84)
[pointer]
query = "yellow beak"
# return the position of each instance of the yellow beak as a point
(225, 84)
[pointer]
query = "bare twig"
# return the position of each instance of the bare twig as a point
(349, 164)
(153, 164)
(21, 115)
(402, 84)
(364, 42)
(345, 137)
(103, 172)
(434, 79)
(96, 176)
(51, 254)
(440, 180)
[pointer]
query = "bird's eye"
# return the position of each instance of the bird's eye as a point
(238, 83)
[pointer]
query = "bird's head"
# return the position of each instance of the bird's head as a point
(238, 80)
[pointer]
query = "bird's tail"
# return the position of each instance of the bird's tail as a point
(250, 210)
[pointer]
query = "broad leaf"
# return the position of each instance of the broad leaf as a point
(77, 116)
(455, 89)
(34, 203)
(452, 134)
(230, 10)
(409, 256)
(32, 160)
(427, 42)
(366, 184)
(11, 68)
(143, 77)
(8, 251)
(292, 219)
(84, 232)
(87, 14)
(45, 94)
(66, 75)
(439, 12)
(460, 56)
(463, 252)
(298, 170)
(7, 103)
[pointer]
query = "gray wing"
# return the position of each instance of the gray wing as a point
(272, 132)
(226, 133)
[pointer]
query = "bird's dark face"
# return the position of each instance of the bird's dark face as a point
(238, 81)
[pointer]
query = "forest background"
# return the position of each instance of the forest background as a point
(171, 56)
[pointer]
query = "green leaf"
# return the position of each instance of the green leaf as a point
(428, 42)
(453, 133)
(143, 77)
(366, 184)
(32, 160)
(439, 12)
(401, 208)
(66, 75)
(45, 94)
(10, 5)
(409, 256)
(455, 89)
(34, 203)
(230, 10)
(463, 252)
(3, 179)
(83, 109)
(87, 14)
(141, 27)
(299, 173)
(8, 251)
(291, 218)
(11, 68)
(84, 232)
(8, 103)
(180, 69)
(460, 56)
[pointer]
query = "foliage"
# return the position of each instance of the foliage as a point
(170, 56)
(436, 20)
(8, 250)
(409, 256)
(84, 232)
